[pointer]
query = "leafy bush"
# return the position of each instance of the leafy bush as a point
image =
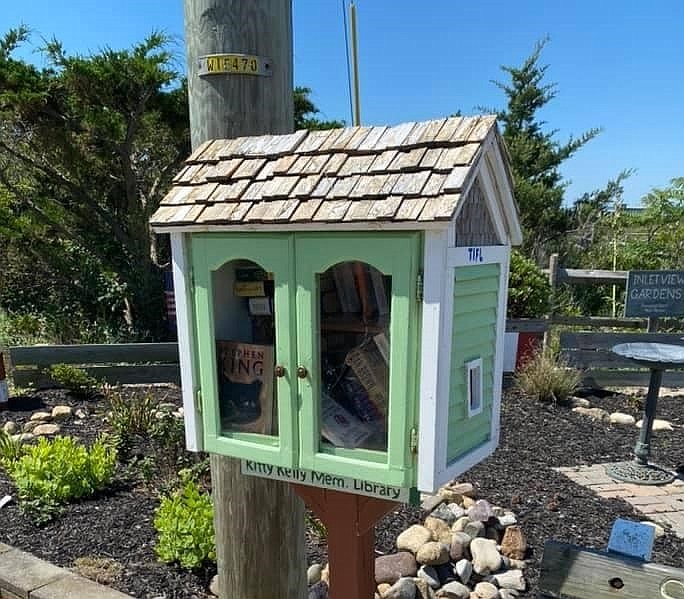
(10, 450)
(57, 471)
(529, 292)
(75, 379)
(547, 378)
(185, 525)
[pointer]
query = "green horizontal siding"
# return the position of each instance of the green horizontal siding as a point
(476, 291)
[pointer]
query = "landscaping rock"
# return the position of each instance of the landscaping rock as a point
(429, 575)
(486, 558)
(413, 538)
(579, 402)
(23, 437)
(433, 554)
(404, 588)
(481, 511)
(10, 427)
(60, 413)
(440, 530)
(325, 574)
(446, 573)
(313, 574)
(390, 568)
(423, 589)
(464, 570)
(465, 489)
(598, 414)
(508, 519)
(454, 590)
(46, 429)
(214, 586)
(474, 529)
(486, 590)
(457, 510)
(514, 543)
(511, 579)
(30, 425)
(383, 587)
(459, 545)
(444, 513)
(508, 594)
(41, 416)
(430, 502)
(468, 501)
(460, 524)
(319, 591)
(620, 418)
(658, 425)
(81, 414)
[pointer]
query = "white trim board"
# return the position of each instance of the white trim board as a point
(186, 350)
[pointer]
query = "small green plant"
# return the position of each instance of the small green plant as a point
(548, 378)
(132, 415)
(184, 522)
(57, 471)
(10, 450)
(75, 379)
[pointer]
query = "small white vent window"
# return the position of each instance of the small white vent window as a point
(474, 386)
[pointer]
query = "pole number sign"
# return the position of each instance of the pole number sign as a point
(655, 293)
(233, 64)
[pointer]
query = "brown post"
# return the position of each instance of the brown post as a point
(251, 513)
(553, 282)
(349, 520)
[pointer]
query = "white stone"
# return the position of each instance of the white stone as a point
(486, 558)
(46, 429)
(457, 510)
(41, 416)
(81, 413)
(429, 575)
(61, 413)
(510, 579)
(433, 554)
(214, 585)
(313, 574)
(464, 570)
(594, 413)
(508, 519)
(486, 590)
(10, 427)
(454, 590)
(413, 538)
(658, 425)
(621, 418)
(580, 402)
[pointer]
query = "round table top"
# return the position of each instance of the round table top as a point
(654, 355)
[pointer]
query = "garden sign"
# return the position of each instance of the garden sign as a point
(655, 293)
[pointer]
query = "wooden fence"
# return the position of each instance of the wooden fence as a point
(123, 363)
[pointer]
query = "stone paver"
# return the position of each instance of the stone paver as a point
(76, 587)
(663, 504)
(23, 576)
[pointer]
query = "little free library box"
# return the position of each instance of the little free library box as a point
(341, 300)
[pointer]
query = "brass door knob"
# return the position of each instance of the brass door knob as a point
(302, 372)
(279, 371)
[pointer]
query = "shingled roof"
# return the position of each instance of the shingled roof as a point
(413, 172)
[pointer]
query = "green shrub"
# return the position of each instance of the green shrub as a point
(133, 415)
(529, 292)
(75, 379)
(185, 525)
(10, 450)
(57, 471)
(547, 378)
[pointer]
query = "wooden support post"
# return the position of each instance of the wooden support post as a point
(250, 513)
(553, 282)
(349, 520)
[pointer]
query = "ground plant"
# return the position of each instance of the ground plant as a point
(10, 450)
(548, 378)
(75, 379)
(54, 472)
(185, 524)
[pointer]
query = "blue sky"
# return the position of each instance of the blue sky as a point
(619, 65)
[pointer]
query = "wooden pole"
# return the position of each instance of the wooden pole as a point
(553, 282)
(259, 523)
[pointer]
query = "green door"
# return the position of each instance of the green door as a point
(356, 298)
(246, 335)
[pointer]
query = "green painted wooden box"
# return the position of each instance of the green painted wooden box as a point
(341, 301)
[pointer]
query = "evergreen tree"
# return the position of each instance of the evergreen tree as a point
(305, 112)
(536, 156)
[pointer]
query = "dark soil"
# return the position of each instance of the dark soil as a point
(535, 438)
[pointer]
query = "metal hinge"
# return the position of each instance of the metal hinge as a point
(413, 441)
(198, 400)
(419, 286)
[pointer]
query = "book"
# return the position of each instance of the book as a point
(340, 427)
(346, 288)
(371, 370)
(246, 386)
(260, 306)
(249, 288)
(379, 291)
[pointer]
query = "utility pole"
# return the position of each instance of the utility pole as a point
(259, 523)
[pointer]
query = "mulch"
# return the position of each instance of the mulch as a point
(535, 438)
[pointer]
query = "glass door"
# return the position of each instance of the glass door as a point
(244, 302)
(356, 330)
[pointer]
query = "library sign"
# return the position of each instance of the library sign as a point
(655, 293)
(327, 481)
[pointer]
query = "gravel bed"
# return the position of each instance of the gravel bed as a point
(535, 438)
